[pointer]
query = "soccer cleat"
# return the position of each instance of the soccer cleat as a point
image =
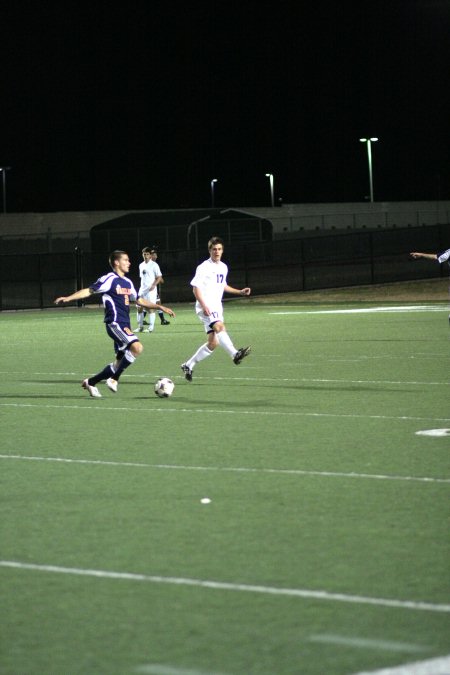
(149, 330)
(93, 391)
(187, 372)
(241, 354)
(164, 322)
(112, 384)
(139, 329)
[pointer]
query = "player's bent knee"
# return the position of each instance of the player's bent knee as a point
(136, 348)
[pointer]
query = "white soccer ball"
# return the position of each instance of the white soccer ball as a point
(164, 387)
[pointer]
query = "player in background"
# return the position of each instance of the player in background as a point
(209, 285)
(117, 293)
(442, 257)
(150, 276)
(162, 318)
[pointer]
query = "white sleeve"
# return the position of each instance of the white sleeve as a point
(444, 256)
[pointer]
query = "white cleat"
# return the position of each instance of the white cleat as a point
(93, 391)
(112, 384)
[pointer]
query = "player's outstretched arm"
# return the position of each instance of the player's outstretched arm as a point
(78, 295)
(429, 256)
(147, 304)
(238, 291)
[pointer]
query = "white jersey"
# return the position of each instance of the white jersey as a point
(148, 273)
(444, 256)
(210, 278)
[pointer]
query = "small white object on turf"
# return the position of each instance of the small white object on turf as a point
(205, 500)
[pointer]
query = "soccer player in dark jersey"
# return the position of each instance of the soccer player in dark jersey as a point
(117, 293)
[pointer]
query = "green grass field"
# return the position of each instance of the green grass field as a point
(325, 548)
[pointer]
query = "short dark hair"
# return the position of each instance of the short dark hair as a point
(115, 255)
(213, 241)
(147, 249)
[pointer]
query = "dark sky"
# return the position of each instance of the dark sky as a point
(141, 106)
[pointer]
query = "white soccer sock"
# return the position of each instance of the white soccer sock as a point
(151, 320)
(140, 318)
(225, 342)
(202, 353)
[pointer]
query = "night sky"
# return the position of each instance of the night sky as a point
(140, 107)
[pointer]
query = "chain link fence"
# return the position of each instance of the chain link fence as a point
(34, 280)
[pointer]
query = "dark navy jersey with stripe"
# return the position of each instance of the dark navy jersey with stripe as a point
(117, 292)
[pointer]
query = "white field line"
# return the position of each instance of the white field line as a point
(213, 411)
(317, 380)
(227, 586)
(367, 310)
(228, 469)
(439, 666)
(365, 643)
(161, 669)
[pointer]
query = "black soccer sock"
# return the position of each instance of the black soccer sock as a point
(104, 374)
(126, 361)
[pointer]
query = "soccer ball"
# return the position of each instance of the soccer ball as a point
(164, 387)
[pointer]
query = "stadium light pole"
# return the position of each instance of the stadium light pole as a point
(213, 182)
(270, 177)
(368, 142)
(4, 169)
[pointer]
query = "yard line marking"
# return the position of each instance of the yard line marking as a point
(367, 310)
(320, 380)
(439, 666)
(229, 469)
(229, 586)
(364, 643)
(160, 669)
(238, 411)
(325, 380)
(436, 433)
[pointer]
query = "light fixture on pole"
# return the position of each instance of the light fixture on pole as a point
(4, 169)
(214, 180)
(368, 142)
(270, 177)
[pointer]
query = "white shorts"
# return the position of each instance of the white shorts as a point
(151, 295)
(207, 321)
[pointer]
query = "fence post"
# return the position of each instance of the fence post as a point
(78, 272)
(41, 294)
(372, 262)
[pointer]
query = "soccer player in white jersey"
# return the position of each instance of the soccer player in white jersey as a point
(442, 257)
(117, 293)
(209, 285)
(150, 276)
(162, 318)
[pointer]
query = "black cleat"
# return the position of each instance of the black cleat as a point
(187, 372)
(241, 354)
(164, 322)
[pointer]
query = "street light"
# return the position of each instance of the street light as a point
(270, 177)
(4, 169)
(214, 180)
(368, 142)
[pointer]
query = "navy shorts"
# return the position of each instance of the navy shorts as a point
(122, 335)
